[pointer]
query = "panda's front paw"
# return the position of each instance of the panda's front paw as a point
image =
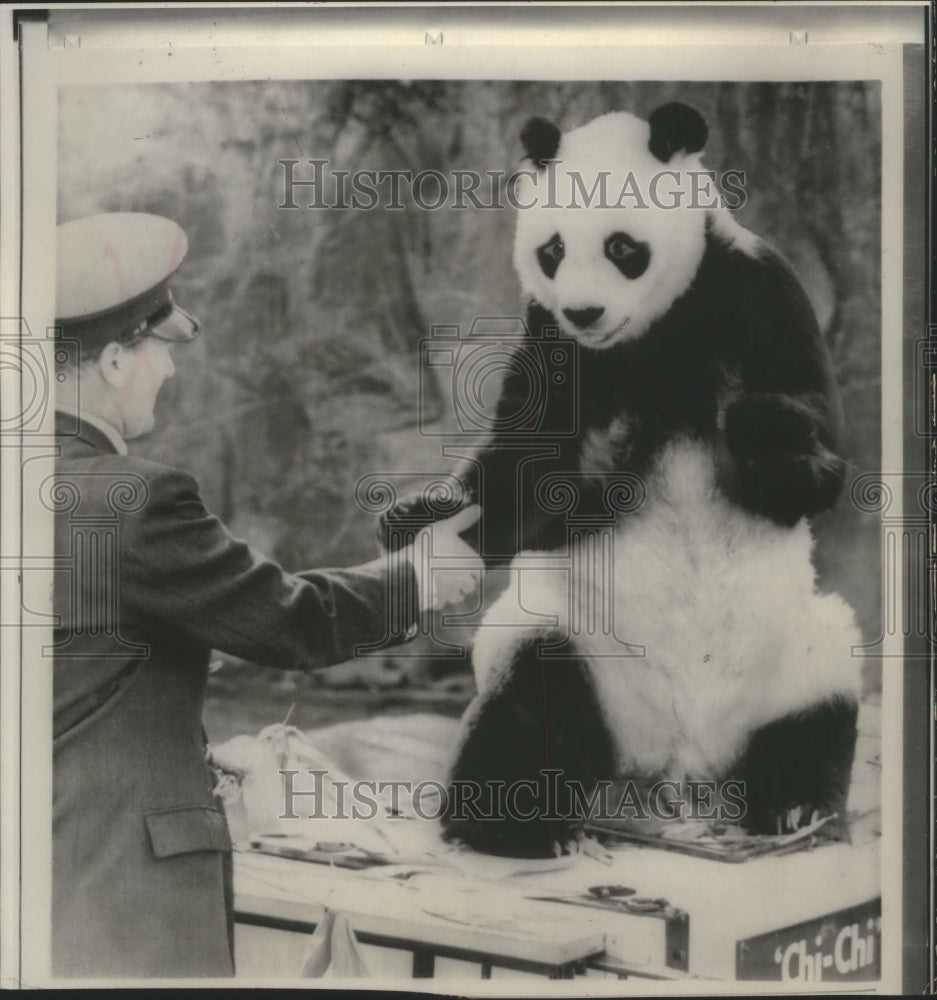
(766, 425)
(396, 525)
(788, 489)
(782, 469)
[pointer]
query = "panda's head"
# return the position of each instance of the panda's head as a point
(607, 233)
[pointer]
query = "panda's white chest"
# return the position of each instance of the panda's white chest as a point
(684, 611)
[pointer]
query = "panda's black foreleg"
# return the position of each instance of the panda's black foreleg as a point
(799, 765)
(784, 468)
(540, 715)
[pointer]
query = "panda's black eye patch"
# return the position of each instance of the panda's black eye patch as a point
(627, 254)
(550, 254)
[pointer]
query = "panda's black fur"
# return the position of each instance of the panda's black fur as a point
(724, 409)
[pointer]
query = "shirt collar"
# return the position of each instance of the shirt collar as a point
(108, 430)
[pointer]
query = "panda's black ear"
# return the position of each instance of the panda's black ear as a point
(676, 127)
(541, 139)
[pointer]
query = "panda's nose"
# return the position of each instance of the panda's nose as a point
(584, 317)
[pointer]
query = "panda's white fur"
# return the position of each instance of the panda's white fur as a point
(725, 605)
(613, 147)
(726, 228)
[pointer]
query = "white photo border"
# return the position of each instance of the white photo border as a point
(143, 45)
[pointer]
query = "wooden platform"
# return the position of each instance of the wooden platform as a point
(460, 915)
(428, 918)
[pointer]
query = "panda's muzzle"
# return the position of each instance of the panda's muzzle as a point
(583, 318)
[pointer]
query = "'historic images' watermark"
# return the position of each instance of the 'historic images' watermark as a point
(464, 190)
(552, 797)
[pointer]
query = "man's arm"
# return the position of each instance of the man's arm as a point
(183, 572)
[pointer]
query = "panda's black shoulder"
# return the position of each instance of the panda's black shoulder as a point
(737, 261)
(753, 291)
(757, 313)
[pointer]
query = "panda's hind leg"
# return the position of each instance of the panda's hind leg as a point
(539, 714)
(798, 766)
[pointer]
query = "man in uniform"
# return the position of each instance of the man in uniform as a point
(141, 851)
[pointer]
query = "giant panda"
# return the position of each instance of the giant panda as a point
(701, 392)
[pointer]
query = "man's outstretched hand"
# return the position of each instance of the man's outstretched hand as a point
(447, 569)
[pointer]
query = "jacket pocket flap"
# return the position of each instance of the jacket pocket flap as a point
(186, 829)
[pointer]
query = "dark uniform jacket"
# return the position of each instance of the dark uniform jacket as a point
(147, 583)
